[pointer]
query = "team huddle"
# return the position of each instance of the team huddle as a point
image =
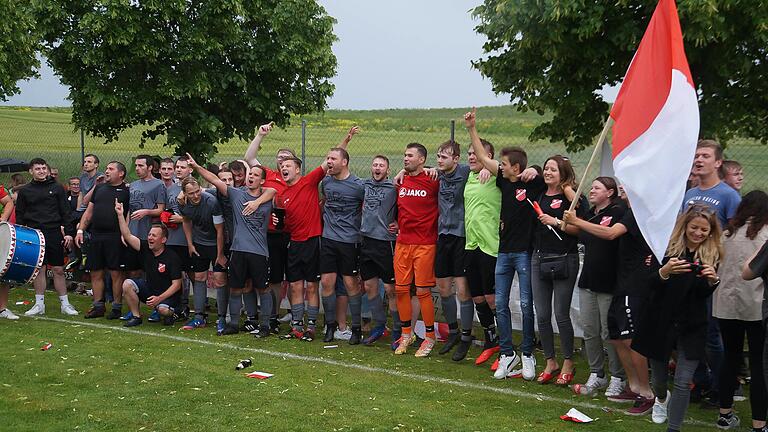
(248, 231)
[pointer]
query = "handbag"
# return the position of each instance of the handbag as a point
(554, 267)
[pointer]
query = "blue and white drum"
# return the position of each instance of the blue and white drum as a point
(22, 250)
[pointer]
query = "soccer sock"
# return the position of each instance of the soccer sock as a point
(184, 291)
(275, 304)
(485, 314)
(266, 308)
(397, 325)
(98, 303)
(222, 301)
(376, 305)
(449, 311)
(64, 299)
(200, 291)
(404, 308)
(297, 311)
(329, 308)
(427, 310)
(356, 309)
(250, 304)
(235, 305)
(117, 306)
(40, 298)
(467, 317)
(312, 313)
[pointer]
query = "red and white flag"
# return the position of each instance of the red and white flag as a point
(656, 127)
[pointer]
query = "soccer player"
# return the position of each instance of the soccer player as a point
(42, 204)
(414, 257)
(147, 202)
(220, 278)
(250, 255)
(106, 251)
(7, 203)
(172, 219)
(734, 174)
(300, 199)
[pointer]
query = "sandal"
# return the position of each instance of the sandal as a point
(565, 378)
(545, 377)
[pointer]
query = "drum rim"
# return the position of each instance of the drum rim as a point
(11, 249)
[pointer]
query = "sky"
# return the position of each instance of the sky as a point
(391, 54)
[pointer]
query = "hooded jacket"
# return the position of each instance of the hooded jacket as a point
(43, 205)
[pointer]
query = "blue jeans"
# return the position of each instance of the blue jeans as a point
(507, 264)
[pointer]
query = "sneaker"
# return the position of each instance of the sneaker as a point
(486, 355)
(229, 330)
(330, 330)
(461, 350)
(250, 325)
(507, 362)
(452, 341)
(221, 325)
(261, 332)
(293, 334)
(286, 318)
(344, 335)
(396, 335)
(642, 406)
(94, 312)
(274, 326)
(114, 314)
(405, 340)
(68, 309)
(626, 396)
(375, 334)
(615, 387)
(659, 411)
(308, 336)
(356, 337)
(133, 322)
(7, 314)
(37, 309)
(127, 316)
(738, 395)
(425, 348)
(731, 422)
(154, 316)
(529, 367)
(194, 323)
(593, 384)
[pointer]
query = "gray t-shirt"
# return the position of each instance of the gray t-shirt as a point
(250, 233)
(451, 201)
(86, 184)
(379, 209)
(343, 208)
(145, 195)
(203, 216)
(226, 211)
(176, 235)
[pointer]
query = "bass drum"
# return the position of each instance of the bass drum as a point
(22, 250)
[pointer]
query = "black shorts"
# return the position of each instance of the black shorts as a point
(339, 257)
(205, 258)
(624, 316)
(481, 273)
(376, 257)
(131, 260)
(183, 253)
(105, 251)
(142, 290)
(450, 257)
(54, 247)
(303, 261)
(277, 242)
(244, 266)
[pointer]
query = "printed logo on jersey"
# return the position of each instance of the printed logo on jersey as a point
(606, 220)
(556, 203)
(520, 194)
(161, 268)
(404, 192)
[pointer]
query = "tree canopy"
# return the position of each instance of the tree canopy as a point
(199, 71)
(18, 46)
(555, 56)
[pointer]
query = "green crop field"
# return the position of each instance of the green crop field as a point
(98, 376)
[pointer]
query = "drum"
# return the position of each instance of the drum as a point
(22, 250)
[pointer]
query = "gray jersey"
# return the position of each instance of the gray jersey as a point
(86, 184)
(145, 195)
(451, 201)
(343, 208)
(176, 235)
(250, 231)
(379, 209)
(226, 211)
(203, 216)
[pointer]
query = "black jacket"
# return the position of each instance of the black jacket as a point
(676, 313)
(44, 205)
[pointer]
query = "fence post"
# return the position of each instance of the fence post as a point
(303, 146)
(82, 145)
(453, 129)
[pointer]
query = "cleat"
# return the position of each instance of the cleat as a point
(249, 325)
(486, 355)
(221, 325)
(495, 365)
(133, 322)
(274, 326)
(184, 313)
(169, 320)
(7, 314)
(461, 350)
(127, 316)
(261, 332)
(194, 323)
(452, 341)
(396, 335)
(114, 314)
(229, 330)
(154, 316)
(293, 334)
(376, 334)
(68, 309)
(405, 340)
(356, 337)
(330, 330)
(94, 312)
(506, 365)
(425, 348)
(308, 336)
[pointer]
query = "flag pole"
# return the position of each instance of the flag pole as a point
(598, 146)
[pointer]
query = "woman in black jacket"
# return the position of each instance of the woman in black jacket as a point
(676, 318)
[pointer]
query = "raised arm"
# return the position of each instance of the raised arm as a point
(482, 155)
(130, 239)
(252, 152)
(208, 176)
(354, 130)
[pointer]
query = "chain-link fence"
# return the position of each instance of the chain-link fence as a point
(26, 133)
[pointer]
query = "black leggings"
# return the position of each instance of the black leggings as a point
(733, 341)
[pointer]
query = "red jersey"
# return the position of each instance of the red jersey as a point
(417, 210)
(301, 202)
(3, 194)
(274, 180)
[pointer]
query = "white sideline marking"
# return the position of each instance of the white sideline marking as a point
(330, 362)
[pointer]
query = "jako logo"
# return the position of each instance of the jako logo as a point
(412, 192)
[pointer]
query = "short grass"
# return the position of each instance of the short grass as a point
(102, 378)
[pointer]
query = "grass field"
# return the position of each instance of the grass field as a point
(99, 376)
(27, 133)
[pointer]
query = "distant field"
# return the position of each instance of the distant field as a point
(27, 133)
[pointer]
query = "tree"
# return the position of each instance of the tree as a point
(199, 71)
(19, 45)
(555, 56)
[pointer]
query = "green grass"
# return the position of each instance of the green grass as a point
(159, 378)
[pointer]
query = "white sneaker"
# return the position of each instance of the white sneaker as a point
(529, 367)
(68, 309)
(659, 411)
(506, 363)
(593, 384)
(344, 335)
(615, 387)
(7, 314)
(37, 309)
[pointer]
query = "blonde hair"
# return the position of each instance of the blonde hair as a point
(188, 181)
(708, 252)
